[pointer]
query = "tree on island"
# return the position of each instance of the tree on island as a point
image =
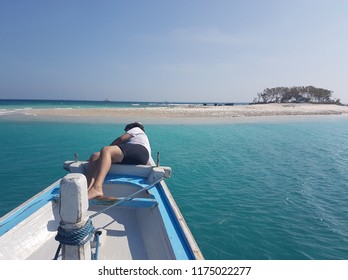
(302, 94)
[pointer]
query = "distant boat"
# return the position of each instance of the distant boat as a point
(138, 220)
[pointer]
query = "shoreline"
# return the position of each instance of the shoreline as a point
(182, 114)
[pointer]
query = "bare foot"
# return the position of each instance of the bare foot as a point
(94, 192)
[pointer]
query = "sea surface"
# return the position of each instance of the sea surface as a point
(9, 106)
(248, 191)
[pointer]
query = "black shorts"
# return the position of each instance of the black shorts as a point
(134, 154)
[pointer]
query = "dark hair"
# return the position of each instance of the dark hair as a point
(134, 124)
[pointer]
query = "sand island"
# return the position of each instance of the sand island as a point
(189, 112)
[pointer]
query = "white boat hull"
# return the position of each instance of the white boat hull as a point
(150, 226)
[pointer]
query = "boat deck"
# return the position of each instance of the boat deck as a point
(147, 226)
(134, 232)
(123, 240)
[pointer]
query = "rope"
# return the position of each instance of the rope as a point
(95, 255)
(75, 237)
(57, 252)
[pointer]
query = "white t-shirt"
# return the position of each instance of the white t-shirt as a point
(139, 137)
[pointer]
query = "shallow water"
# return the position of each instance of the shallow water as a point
(265, 190)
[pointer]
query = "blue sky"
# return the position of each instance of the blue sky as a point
(183, 50)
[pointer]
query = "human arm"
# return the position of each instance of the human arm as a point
(121, 139)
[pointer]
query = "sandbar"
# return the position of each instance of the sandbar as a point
(187, 113)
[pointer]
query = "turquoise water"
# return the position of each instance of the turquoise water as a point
(23, 104)
(15, 104)
(265, 190)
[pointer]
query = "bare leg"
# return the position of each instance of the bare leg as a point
(93, 164)
(108, 155)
